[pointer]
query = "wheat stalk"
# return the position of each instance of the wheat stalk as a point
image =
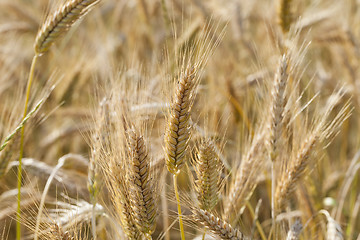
(277, 108)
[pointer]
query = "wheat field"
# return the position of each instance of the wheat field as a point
(179, 119)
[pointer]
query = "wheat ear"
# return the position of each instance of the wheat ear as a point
(288, 181)
(277, 108)
(208, 172)
(120, 197)
(99, 142)
(245, 179)
(285, 16)
(178, 127)
(10, 142)
(276, 125)
(323, 130)
(217, 226)
(59, 22)
(142, 198)
(177, 133)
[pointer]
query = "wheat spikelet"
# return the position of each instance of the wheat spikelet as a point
(208, 171)
(141, 191)
(285, 16)
(277, 108)
(59, 22)
(178, 128)
(217, 226)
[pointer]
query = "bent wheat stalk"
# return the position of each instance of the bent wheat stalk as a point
(55, 25)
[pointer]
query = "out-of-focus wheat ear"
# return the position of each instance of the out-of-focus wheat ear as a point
(121, 200)
(141, 184)
(287, 182)
(245, 176)
(275, 125)
(323, 129)
(59, 22)
(216, 225)
(208, 175)
(295, 231)
(11, 141)
(285, 15)
(277, 108)
(178, 128)
(99, 143)
(56, 233)
(334, 231)
(7, 153)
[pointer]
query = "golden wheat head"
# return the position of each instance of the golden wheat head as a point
(178, 128)
(59, 22)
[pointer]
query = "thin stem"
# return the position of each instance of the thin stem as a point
(273, 182)
(204, 234)
(179, 208)
(258, 225)
(19, 172)
(165, 210)
(93, 219)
